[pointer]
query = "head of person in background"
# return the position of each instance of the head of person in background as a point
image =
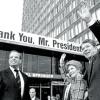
(49, 98)
(74, 69)
(53, 98)
(89, 48)
(57, 96)
(15, 60)
(32, 93)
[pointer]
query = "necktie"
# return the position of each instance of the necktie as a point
(18, 81)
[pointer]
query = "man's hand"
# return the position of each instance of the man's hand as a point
(62, 59)
(84, 11)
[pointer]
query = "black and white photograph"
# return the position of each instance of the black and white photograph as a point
(49, 49)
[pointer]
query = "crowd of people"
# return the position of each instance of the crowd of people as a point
(14, 84)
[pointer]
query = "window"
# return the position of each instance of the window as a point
(74, 17)
(66, 37)
(65, 24)
(98, 14)
(66, 1)
(76, 29)
(72, 33)
(73, 4)
(70, 8)
(86, 36)
(57, 30)
(69, 35)
(90, 35)
(84, 25)
(94, 15)
(97, 1)
(79, 27)
(91, 2)
(80, 40)
(71, 19)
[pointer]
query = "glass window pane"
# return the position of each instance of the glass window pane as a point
(76, 29)
(79, 27)
(90, 35)
(98, 14)
(44, 64)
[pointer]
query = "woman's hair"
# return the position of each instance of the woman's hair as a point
(77, 64)
(92, 42)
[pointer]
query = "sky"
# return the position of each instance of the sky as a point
(11, 14)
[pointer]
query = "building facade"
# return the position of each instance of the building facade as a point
(58, 19)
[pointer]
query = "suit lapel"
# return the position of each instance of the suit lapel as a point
(10, 75)
(95, 61)
(89, 69)
(92, 68)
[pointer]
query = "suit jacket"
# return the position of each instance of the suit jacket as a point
(8, 86)
(93, 70)
(36, 98)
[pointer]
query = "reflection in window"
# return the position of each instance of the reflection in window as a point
(84, 25)
(74, 4)
(69, 35)
(4, 55)
(76, 29)
(44, 64)
(40, 64)
(79, 27)
(90, 35)
(72, 33)
(80, 40)
(98, 14)
(86, 36)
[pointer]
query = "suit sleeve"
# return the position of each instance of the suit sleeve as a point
(1, 86)
(0, 81)
(95, 28)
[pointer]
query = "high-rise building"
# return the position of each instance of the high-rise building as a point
(58, 19)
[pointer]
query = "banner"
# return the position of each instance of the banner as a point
(37, 41)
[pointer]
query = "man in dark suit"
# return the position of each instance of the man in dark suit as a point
(91, 52)
(32, 93)
(14, 83)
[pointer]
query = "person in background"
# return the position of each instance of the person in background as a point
(48, 97)
(57, 96)
(91, 52)
(76, 85)
(32, 93)
(53, 98)
(14, 84)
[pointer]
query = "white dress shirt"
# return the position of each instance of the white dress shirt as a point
(33, 98)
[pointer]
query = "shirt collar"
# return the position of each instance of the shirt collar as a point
(33, 98)
(13, 68)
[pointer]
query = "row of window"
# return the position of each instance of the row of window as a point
(64, 4)
(69, 33)
(49, 13)
(32, 63)
(59, 23)
(46, 14)
(70, 18)
(78, 28)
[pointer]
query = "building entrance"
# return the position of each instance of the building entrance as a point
(45, 92)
